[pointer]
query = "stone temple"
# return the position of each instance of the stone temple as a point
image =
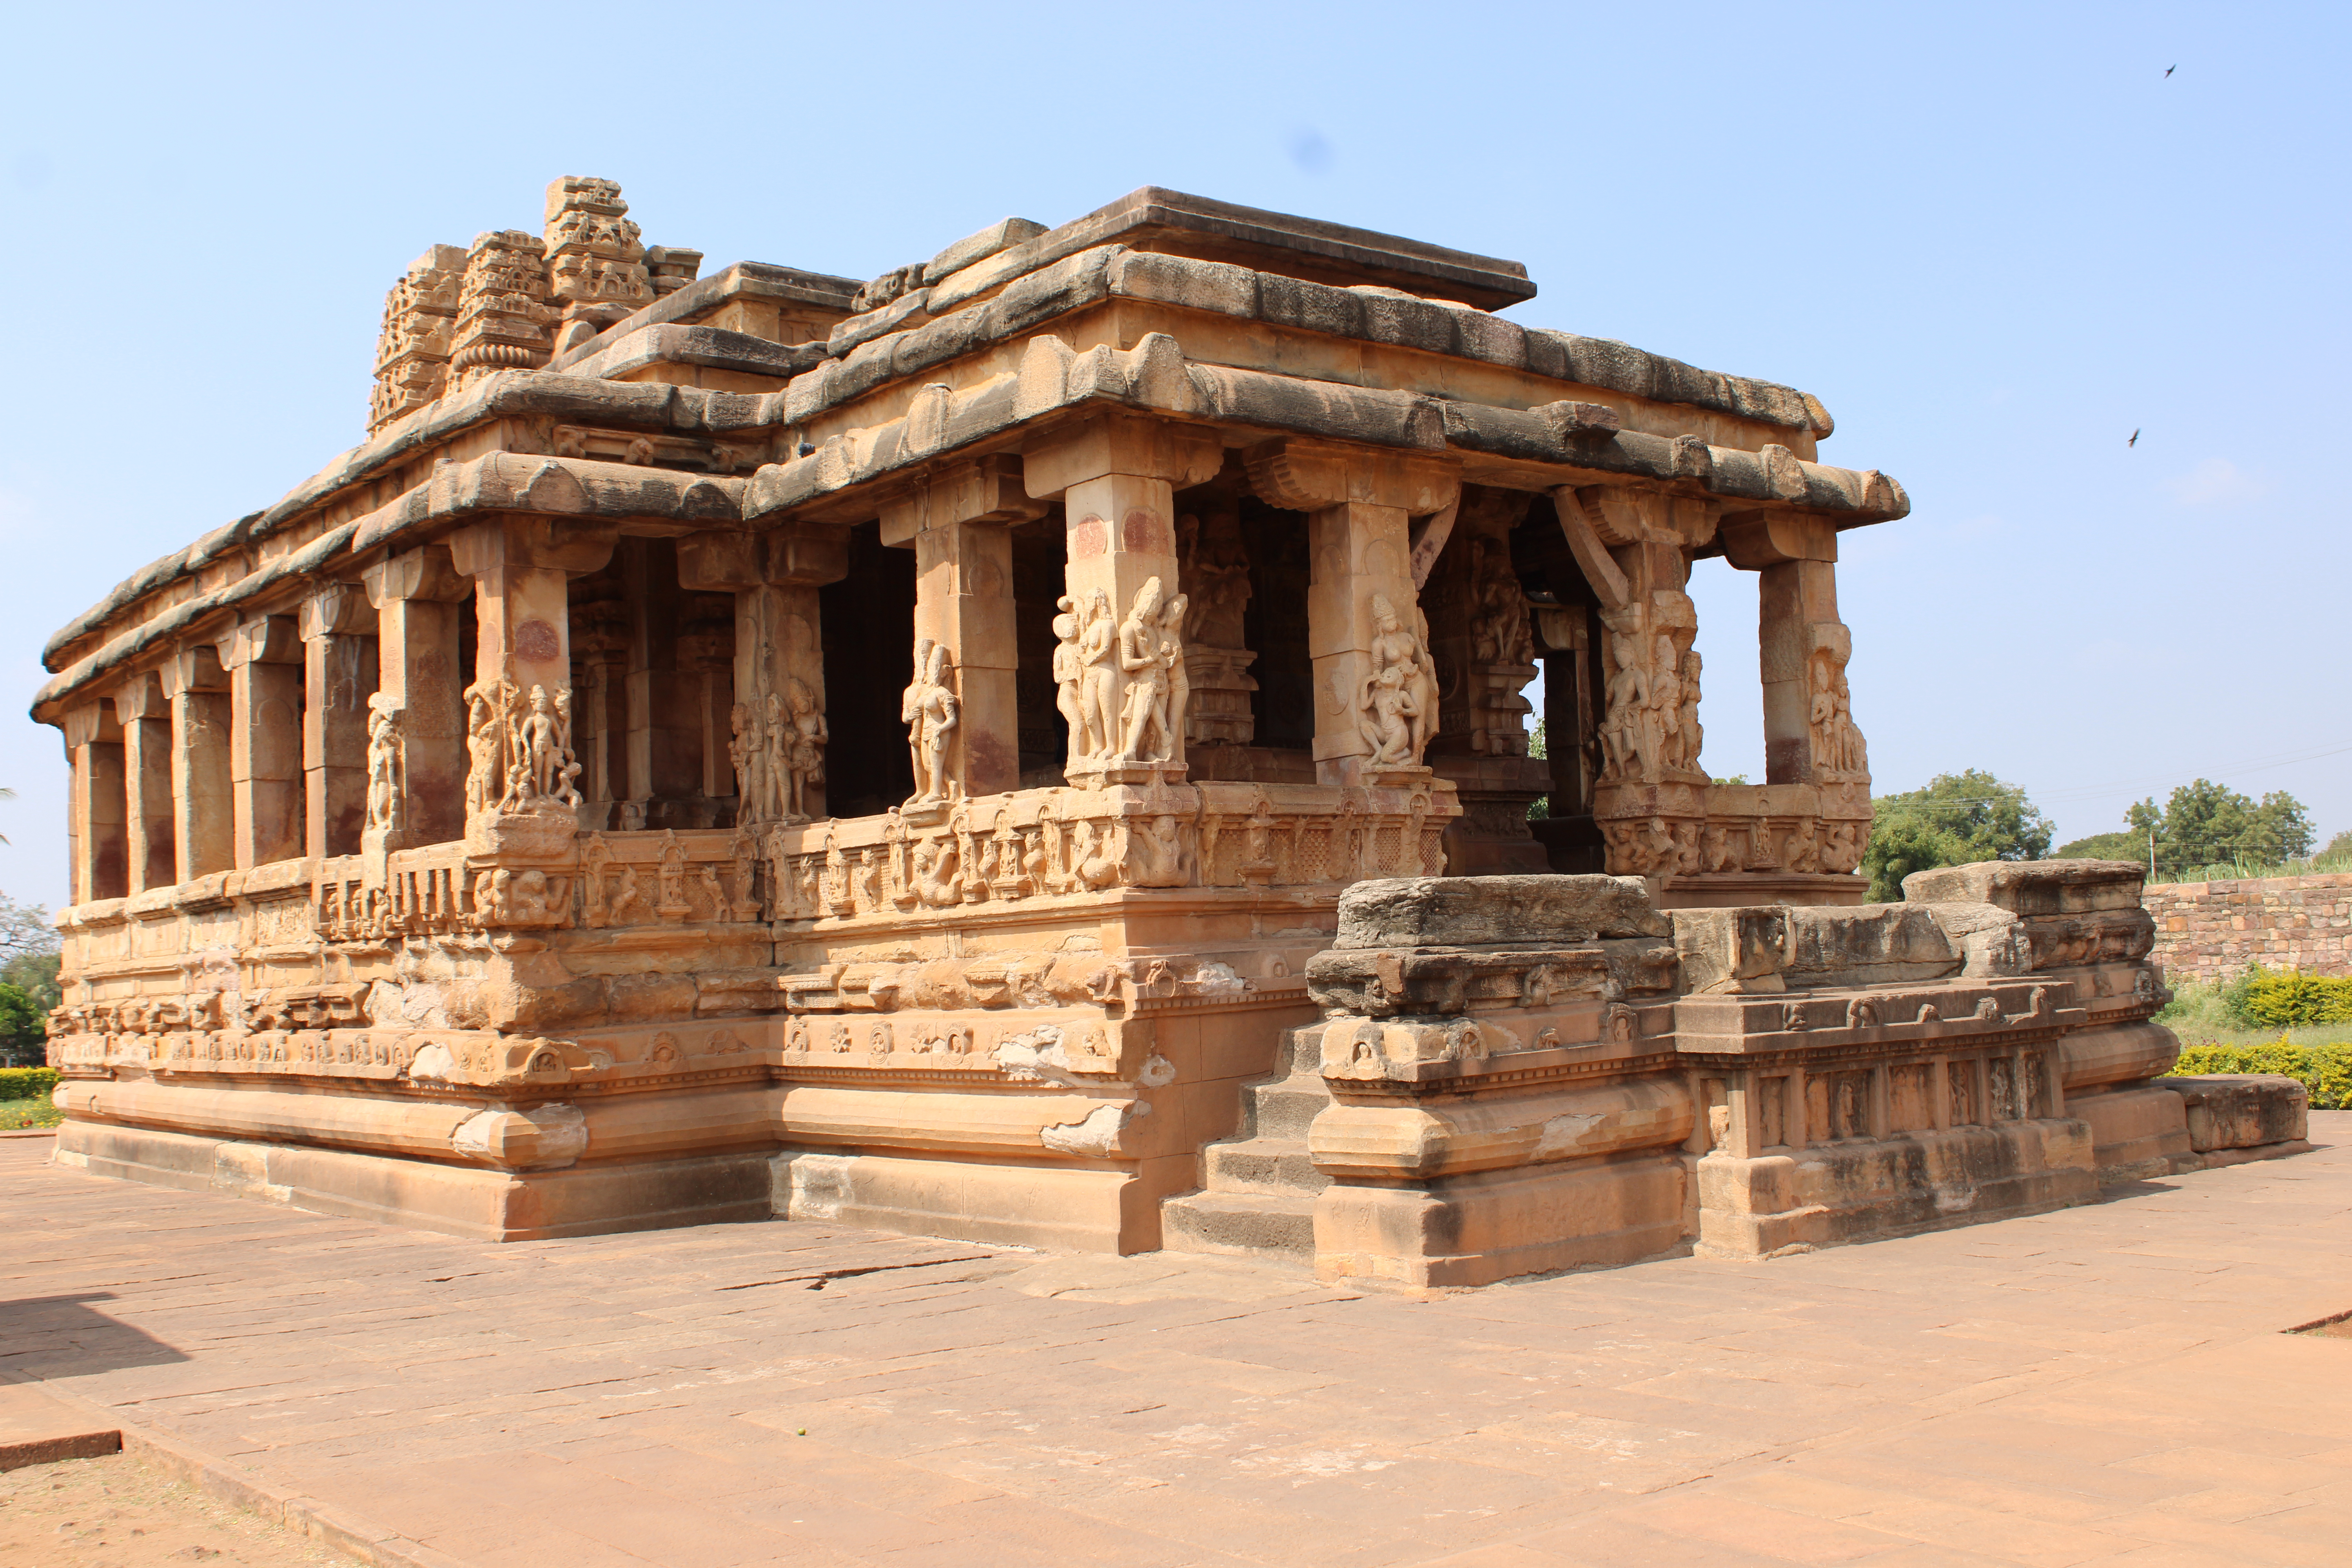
(1031, 748)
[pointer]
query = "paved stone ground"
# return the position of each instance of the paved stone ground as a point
(2107, 1384)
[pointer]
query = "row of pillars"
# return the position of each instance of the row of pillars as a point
(252, 748)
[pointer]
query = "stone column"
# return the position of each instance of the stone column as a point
(338, 676)
(521, 569)
(1118, 476)
(97, 826)
(1376, 693)
(662, 747)
(600, 651)
(203, 814)
(963, 602)
(1810, 735)
(146, 715)
(1633, 547)
(418, 598)
(264, 660)
(1802, 646)
(778, 680)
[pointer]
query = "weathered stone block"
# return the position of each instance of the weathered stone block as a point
(2241, 1110)
(1472, 911)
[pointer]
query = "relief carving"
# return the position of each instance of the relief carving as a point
(930, 710)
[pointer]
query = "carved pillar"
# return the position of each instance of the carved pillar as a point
(1376, 690)
(1633, 545)
(963, 603)
(775, 734)
(663, 770)
(1214, 576)
(600, 651)
(144, 714)
(418, 598)
(264, 660)
(97, 826)
(339, 668)
(203, 814)
(705, 657)
(1810, 735)
(1118, 476)
(519, 715)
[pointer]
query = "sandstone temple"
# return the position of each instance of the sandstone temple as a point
(1032, 747)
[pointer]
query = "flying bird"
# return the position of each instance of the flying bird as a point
(2170, 70)
(2135, 440)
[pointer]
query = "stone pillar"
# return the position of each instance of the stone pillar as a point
(662, 747)
(600, 651)
(776, 721)
(97, 827)
(521, 569)
(1117, 476)
(963, 602)
(1376, 693)
(145, 716)
(203, 814)
(418, 598)
(338, 676)
(1802, 648)
(1810, 741)
(1214, 574)
(1633, 546)
(264, 660)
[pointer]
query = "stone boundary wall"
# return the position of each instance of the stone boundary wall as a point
(2206, 931)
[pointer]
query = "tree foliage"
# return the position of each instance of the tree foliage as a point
(1956, 820)
(25, 929)
(28, 981)
(2206, 823)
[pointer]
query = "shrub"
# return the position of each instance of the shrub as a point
(2325, 1070)
(2260, 1000)
(26, 1083)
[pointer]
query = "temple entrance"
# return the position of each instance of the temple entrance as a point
(868, 661)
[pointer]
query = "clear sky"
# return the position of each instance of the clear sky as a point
(1994, 240)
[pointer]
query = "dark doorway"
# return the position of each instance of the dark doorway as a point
(869, 658)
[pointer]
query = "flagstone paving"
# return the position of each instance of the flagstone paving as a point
(2106, 1384)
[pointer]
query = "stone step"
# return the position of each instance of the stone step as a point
(1275, 1225)
(1283, 1109)
(1261, 1165)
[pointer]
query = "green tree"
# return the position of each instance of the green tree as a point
(1954, 820)
(24, 1029)
(28, 981)
(2124, 846)
(2206, 823)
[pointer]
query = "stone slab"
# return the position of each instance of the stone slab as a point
(37, 1428)
(2107, 1382)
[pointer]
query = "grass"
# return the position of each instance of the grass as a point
(2255, 870)
(18, 1114)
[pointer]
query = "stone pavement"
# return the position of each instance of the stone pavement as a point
(2106, 1384)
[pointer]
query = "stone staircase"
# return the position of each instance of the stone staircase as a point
(1258, 1187)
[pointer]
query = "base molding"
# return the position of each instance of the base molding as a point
(456, 1200)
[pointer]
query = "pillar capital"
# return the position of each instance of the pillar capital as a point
(801, 554)
(414, 576)
(196, 669)
(92, 724)
(1121, 443)
(486, 551)
(1753, 541)
(990, 489)
(1306, 476)
(337, 609)
(141, 697)
(264, 639)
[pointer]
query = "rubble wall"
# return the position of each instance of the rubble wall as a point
(2206, 931)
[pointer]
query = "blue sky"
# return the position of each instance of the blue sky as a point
(1993, 239)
